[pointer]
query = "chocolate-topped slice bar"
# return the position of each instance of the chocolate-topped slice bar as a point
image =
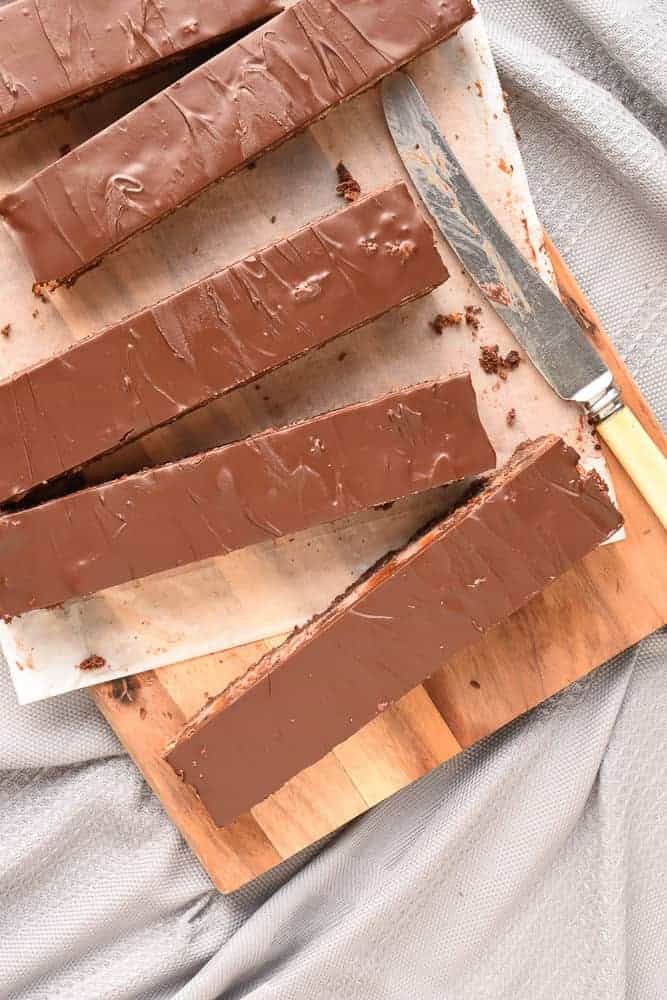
(395, 627)
(327, 279)
(55, 54)
(273, 484)
(208, 125)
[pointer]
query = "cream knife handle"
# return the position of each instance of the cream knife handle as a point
(640, 457)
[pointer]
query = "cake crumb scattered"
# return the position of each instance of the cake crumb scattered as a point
(492, 362)
(6, 329)
(347, 187)
(506, 167)
(442, 321)
(93, 662)
(479, 88)
(510, 419)
(35, 313)
(472, 314)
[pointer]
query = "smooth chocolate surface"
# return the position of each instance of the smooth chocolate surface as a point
(262, 487)
(56, 52)
(243, 102)
(393, 629)
(327, 279)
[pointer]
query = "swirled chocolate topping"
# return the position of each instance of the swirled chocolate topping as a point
(444, 591)
(55, 53)
(272, 484)
(244, 321)
(236, 106)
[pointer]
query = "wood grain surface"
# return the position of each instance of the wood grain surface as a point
(614, 598)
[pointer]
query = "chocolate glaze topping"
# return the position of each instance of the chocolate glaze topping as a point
(239, 323)
(394, 628)
(244, 101)
(269, 485)
(54, 53)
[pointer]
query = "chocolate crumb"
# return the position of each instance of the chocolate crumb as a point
(273, 219)
(142, 712)
(475, 684)
(510, 419)
(479, 88)
(39, 293)
(342, 355)
(64, 149)
(441, 322)
(93, 663)
(598, 446)
(6, 329)
(347, 186)
(471, 316)
(506, 167)
(490, 360)
(35, 313)
(251, 165)
(493, 363)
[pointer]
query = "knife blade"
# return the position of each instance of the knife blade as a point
(539, 321)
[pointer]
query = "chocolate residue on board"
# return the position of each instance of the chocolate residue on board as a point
(93, 662)
(6, 330)
(578, 314)
(347, 187)
(122, 688)
(441, 322)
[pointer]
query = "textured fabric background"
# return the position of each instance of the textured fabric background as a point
(531, 867)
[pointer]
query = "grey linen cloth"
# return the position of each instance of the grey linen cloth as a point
(532, 867)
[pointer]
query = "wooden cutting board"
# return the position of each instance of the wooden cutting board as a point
(616, 597)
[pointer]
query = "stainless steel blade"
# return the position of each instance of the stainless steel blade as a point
(541, 324)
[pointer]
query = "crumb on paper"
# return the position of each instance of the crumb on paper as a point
(93, 662)
(6, 329)
(442, 321)
(506, 167)
(510, 418)
(39, 291)
(347, 187)
(472, 314)
(273, 220)
(35, 313)
(492, 362)
(142, 712)
(479, 88)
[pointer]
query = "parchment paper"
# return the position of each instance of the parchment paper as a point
(268, 589)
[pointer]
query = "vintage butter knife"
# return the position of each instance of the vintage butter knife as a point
(541, 324)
